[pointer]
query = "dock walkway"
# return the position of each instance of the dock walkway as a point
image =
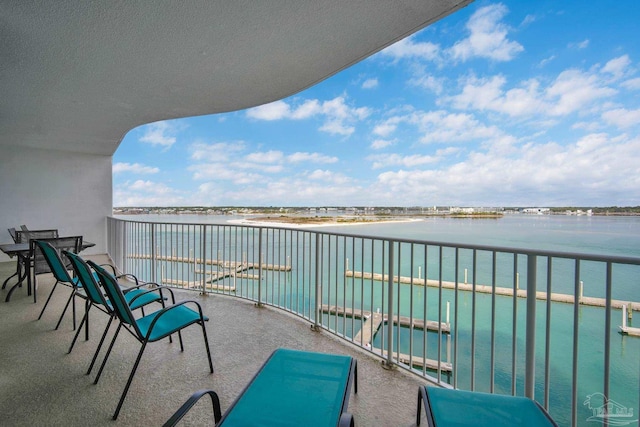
(372, 324)
(486, 289)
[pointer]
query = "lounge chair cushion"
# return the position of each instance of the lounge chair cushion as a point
(294, 388)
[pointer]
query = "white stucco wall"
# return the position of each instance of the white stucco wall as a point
(54, 189)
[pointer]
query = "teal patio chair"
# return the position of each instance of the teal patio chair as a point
(150, 328)
(45, 257)
(136, 298)
(455, 408)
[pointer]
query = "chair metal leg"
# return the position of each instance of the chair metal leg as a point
(84, 322)
(126, 388)
(419, 409)
(86, 331)
(73, 294)
(104, 335)
(206, 344)
(106, 356)
(180, 338)
(46, 303)
(73, 309)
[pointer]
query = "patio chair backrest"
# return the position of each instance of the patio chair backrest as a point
(87, 278)
(115, 295)
(46, 258)
(14, 236)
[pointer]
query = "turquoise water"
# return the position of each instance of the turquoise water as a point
(619, 236)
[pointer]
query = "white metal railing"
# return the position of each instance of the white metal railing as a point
(494, 319)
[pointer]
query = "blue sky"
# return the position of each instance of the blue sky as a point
(522, 103)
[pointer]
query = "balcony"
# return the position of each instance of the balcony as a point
(43, 385)
(499, 320)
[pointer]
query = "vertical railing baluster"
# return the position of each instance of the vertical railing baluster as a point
(514, 327)
(389, 362)
(455, 316)
(318, 301)
(607, 332)
(259, 303)
(576, 320)
(493, 323)
(397, 307)
(203, 257)
(473, 321)
(425, 331)
(547, 351)
(530, 355)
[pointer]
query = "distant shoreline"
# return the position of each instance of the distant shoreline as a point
(324, 221)
(344, 220)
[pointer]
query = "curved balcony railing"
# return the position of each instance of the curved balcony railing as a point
(547, 325)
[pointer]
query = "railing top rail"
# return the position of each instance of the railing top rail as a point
(617, 259)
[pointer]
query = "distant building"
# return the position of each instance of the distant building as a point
(538, 211)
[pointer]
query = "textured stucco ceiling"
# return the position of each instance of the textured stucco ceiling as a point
(77, 75)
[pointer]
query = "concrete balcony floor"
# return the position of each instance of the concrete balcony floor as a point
(42, 385)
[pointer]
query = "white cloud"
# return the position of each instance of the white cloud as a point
(134, 168)
(387, 127)
(308, 109)
(217, 152)
(337, 114)
(633, 84)
(579, 45)
(617, 66)
(488, 94)
(622, 117)
(370, 84)
(408, 48)
(316, 188)
(329, 176)
(159, 133)
(546, 61)
(487, 38)
(429, 82)
(379, 144)
(271, 156)
(444, 127)
(380, 161)
(311, 157)
(274, 111)
(571, 91)
(594, 168)
(148, 193)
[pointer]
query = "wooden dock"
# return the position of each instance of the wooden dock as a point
(430, 325)
(208, 261)
(197, 284)
(419, 362)
(628, 330)
(371, 325)
(486, 289)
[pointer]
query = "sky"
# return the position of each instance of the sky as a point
(521, 103)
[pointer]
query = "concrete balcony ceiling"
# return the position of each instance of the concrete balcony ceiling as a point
(77, 75)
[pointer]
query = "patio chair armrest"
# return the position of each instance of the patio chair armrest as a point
(113, 269)
(186, 406)
(128, 276)
(346, 420)
(173, 307)
(140, 285)
(148, 291)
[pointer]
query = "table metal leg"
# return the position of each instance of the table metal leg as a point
(22, 274)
